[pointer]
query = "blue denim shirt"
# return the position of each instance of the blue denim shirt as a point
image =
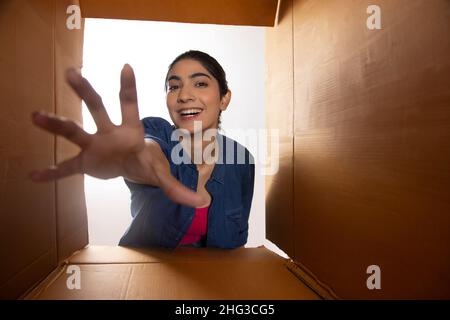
(158, 221)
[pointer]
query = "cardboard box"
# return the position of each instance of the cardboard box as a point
(364, 117)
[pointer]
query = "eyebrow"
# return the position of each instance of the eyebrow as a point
(192, 76)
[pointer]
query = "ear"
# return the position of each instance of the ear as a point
(225, 101)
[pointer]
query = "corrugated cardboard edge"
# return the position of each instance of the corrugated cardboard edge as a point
(277, 14)
(35, 291)
(311, 281)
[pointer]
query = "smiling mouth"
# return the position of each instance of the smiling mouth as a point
(189, 114)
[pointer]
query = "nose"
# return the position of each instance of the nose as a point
(184, 95)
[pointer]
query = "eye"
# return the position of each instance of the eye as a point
(174, 87)
(201, 84)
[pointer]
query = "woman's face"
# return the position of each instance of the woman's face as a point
(193, 95)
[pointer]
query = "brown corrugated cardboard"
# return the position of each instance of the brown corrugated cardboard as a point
(279, 92)
(108, 254)
(371, 146)
(72, 229)
(364, 123)
(185, 273)
(232, 12)
(27, 211)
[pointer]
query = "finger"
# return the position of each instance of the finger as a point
(178, 193)
(128, 97)
(64, 169)
(92, 99)
(63, 127)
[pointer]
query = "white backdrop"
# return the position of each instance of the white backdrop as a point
(149, 47)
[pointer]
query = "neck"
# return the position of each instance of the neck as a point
(202, 152)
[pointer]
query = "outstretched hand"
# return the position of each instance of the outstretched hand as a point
(113, 150)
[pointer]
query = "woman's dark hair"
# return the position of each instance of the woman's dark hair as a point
(210, 64)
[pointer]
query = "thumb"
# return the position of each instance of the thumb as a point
(179, 193)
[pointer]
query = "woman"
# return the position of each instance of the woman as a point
(195, 203)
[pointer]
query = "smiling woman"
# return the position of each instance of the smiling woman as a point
(201, 204)
(197, 92)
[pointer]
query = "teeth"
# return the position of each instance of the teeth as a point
(190, 111)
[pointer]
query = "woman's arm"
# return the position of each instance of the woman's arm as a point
(113, 150)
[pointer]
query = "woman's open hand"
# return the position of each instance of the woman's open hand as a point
(113, 150)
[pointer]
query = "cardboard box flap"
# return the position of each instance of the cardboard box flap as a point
(230, 12)
(72, 224)
(43, 222)
(117, 255)
(280, 92)
(187, 273)
(371, 145)
(28, 249)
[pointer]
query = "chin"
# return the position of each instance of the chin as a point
(186, 127)
(189, 126)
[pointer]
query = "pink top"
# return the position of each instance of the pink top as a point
(198, 227)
